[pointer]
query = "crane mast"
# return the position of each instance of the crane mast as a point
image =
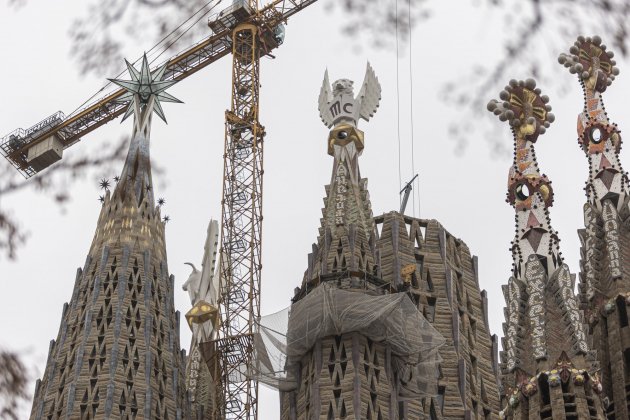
(241, 227)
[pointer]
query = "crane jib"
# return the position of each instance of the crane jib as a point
(67, 131)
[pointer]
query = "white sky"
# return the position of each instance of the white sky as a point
(465, 193)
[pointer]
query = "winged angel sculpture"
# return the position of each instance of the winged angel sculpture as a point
(338, 106)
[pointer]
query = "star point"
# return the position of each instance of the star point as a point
(104, 184)
(144, 85)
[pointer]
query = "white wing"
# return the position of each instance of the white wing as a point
(325, 96)
(217, 279)
(369, 96)
(207, 291)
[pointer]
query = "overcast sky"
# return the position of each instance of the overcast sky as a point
(464, 191)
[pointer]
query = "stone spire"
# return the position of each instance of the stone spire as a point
(346, 236)
(605, 276)
(345, 372)
(598, 137)
(546, 363)
(607, 185)
(117, 353)
(203, 319)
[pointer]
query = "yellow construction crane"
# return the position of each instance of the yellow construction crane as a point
(249, 33)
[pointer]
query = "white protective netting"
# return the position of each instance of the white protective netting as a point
(281, 339)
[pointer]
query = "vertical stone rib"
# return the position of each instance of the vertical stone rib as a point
(356, 396)
(148, 323)
(88, 328)
(395, 257)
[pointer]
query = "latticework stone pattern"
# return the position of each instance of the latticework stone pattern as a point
(346, 376)
(117, 354)
(445, 286)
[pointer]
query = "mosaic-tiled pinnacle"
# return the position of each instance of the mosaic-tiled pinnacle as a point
(605, 277)
(545, 343)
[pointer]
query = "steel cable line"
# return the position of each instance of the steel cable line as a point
(154, 47)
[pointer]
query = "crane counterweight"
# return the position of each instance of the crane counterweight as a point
(227, 19)
(31, 158)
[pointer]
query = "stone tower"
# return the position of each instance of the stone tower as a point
(548, 370)
(605, 269)
(341, 341)
(389, 292)
(117, 352)
(344, 375)
(420, 257)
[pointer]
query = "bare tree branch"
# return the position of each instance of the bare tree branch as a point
(97, 38)
(16, 4)
(55, 181)
(531, 26)
(13, 381)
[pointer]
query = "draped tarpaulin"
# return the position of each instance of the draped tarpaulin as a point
(282, 338)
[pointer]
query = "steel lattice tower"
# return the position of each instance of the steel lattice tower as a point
(241, 228)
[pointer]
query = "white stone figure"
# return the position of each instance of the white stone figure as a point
(203, 285)
(338, 105)
(192, 284)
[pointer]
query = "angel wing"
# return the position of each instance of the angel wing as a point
(369, 96)
(207, 288)
(325, 97)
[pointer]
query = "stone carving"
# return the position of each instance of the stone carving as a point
(339, 105)
(191, 285)
(513, 301)
(611, 232)
(341, 183)
(589, 272)
(202, 286)
(599, 137)
(535, 277)
(568, 304)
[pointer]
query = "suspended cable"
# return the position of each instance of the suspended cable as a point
(183, 23)
(398, 106)
(185, 32)
(413, 164)
(154, 47)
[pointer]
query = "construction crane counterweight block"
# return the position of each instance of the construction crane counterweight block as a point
(32, 159)
(228, 18)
